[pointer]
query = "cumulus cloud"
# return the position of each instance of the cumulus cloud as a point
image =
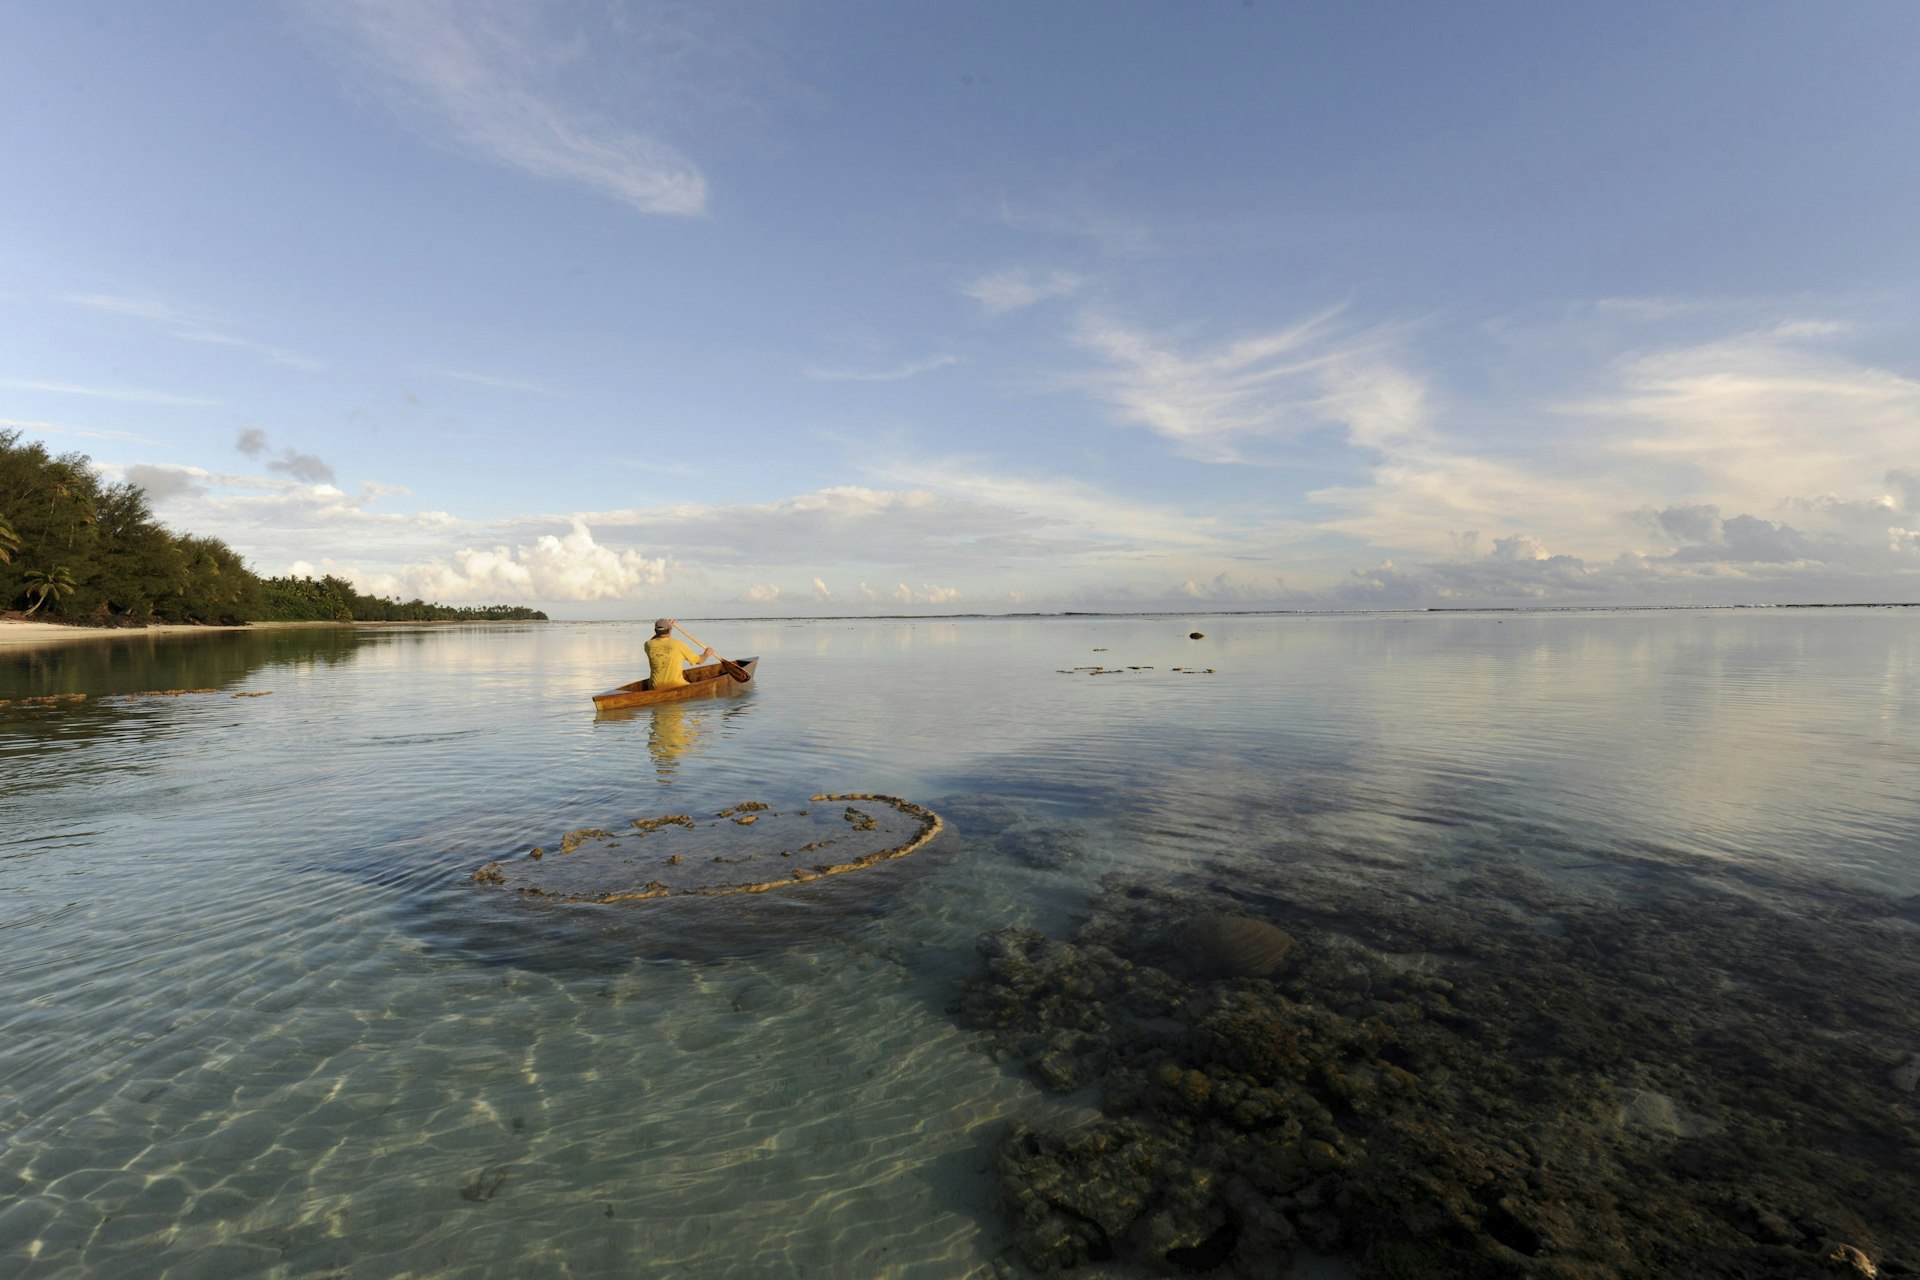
(1706, 558)
(570, 567)
(308, 468)
(164, 484)
(1227, 589)
(927, 594)
(1906, 484)
(1741, 449)
(1696, 523)
(1519, 547)
(957, 529)
(953, 532)
(275, 521)
(1632, 492)
(1015, 288)
(490, 79)
(277, 524)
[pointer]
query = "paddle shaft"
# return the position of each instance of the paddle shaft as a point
(733, 669)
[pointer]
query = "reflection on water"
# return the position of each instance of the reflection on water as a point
(259, 1019)
(672, 732)
(679, 731)
(130, 661)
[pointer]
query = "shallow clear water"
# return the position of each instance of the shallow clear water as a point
(258, 1020)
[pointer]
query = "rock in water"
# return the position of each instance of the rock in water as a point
(1845, 1260)
(1240, 946)
(1195, 635)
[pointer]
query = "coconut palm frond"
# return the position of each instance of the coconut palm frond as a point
(49, 584)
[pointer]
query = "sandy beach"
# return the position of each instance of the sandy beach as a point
(18, 634)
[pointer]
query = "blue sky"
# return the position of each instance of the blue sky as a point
(620, 309)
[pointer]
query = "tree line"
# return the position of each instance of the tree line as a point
(76, 548)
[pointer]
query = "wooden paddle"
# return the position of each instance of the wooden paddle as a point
(733, 669)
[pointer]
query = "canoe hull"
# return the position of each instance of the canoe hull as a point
(702, 682)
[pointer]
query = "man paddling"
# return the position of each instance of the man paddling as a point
(667, 656)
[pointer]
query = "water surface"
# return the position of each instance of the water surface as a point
(259, 1020)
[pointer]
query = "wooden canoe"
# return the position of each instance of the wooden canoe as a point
(702, 682)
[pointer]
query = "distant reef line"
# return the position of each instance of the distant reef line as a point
(1035, 615)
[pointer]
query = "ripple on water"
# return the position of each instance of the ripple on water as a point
(258, 1020)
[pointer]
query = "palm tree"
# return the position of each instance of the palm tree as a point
(9, 541)
(42, 583)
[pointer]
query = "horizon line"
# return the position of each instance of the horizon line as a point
(1256, 613)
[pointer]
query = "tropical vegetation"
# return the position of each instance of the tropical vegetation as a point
(80, 549)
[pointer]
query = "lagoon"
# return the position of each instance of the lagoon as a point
(260, 1021)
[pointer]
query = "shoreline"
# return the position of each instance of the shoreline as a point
(21, 633)
(18, 633)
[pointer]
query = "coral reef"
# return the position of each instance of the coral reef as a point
(606, 873)
(45, 700)
(66, 699)
(1686, 1070)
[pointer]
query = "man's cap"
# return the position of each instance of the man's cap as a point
(662, 625)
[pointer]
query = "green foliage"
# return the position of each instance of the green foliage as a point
(334, 599)
(49, 584)
(304, 600)
(98, 555)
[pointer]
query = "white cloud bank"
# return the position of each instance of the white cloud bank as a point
(1769, 424)
(1765, 465)
(934, 533)
(570, 567)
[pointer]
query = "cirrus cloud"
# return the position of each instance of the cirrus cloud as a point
(1015, 288)
(487, 79)
(1213, 401)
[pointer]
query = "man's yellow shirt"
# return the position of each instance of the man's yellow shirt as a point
(667, 657)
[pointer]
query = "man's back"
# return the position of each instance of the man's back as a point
(666, 658)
